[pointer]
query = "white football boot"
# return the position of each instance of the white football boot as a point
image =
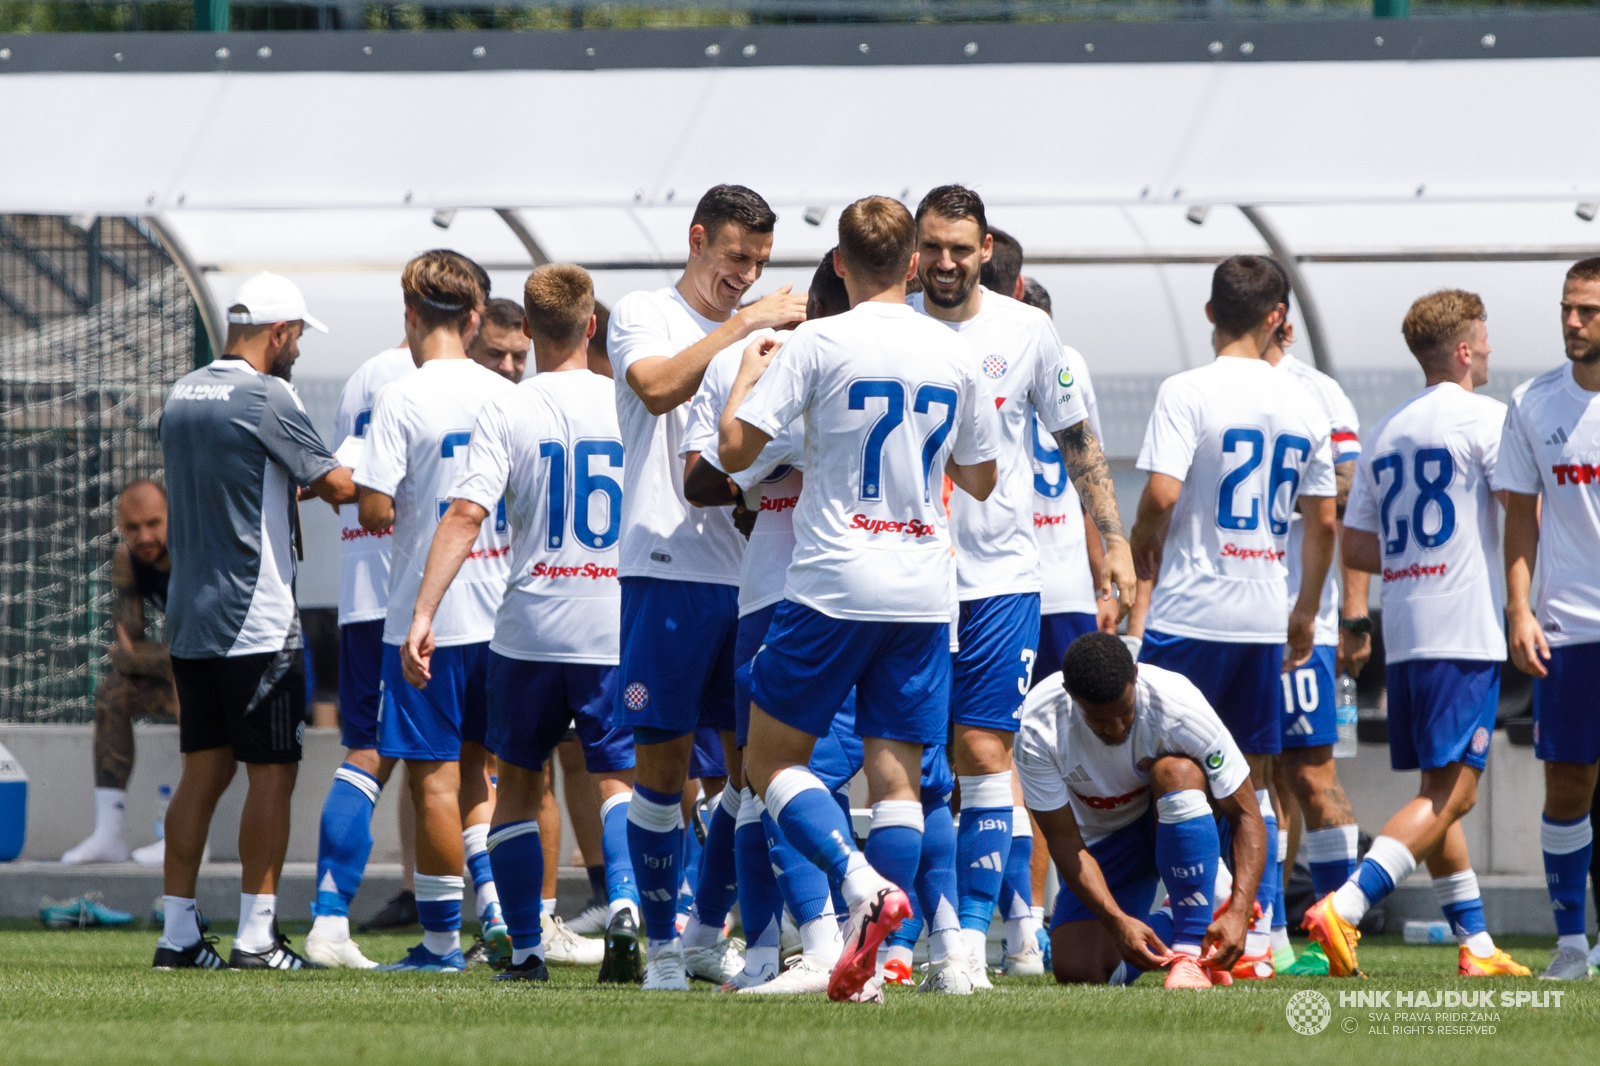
(1028, 962)
(1567, 964)
(807, 974)
(563, 947)
(719, 963)
(336, 954)
(665, 971)
(949, 976)
(97, 847)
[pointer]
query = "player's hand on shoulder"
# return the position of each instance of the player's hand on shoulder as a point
(758, 355)
(781, 307)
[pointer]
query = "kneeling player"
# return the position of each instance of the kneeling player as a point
(1099, 745)
(552, 447)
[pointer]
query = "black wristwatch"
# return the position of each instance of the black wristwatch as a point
(1359, 626)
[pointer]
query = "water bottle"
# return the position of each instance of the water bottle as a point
(163, 797)
(1434, 932)
(1344, 710)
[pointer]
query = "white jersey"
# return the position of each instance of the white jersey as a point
(888, 395)
(1022, 371)
(1345, 441)
(771, 486)
(1551, 446)
(1423, 487)
(416, 448)
(662, 535)
(364, 556)
(1246, 441)
(1060, 760)
(1068, 584)
(551, 447)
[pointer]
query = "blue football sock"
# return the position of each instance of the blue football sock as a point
(1016, 890)
(1279, 873)
(693, 850)
(439, 902)
(1331, 854)
(1187, 853)
(517, 857)
(937, 896)
(803, 886)
(811, 820)
(1568, 846)
(620, 885)
(1160, 923)
(983, 843)
(344, 839)
(842, 799)
(475, 849)
(894, 846)
(718, 882)
(1461, 902)
(1271, 886)
(655, 844)
(760, 901)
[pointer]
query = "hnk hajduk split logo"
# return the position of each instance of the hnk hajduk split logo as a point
(1308, 1012)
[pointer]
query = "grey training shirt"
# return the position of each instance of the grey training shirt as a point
(236, 443)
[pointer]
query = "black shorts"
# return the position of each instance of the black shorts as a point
(255, 704)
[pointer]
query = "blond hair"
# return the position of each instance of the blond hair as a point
(444, 288)
(876, 237)
(1439, 321)
(558, 299)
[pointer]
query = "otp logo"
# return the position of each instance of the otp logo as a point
(1109, 803)
(635, 697)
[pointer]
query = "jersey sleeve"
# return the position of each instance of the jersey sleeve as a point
(1170, 438)
(705, 409)
(1318, 478)
(1056, 393)
(638, 330)
(1489, 433)
(488, 466)
(383, 460)
(784, 389)
(1517, 469)
(1361, 510)
(780, 451)
(1344, 424)
(287, 434)
(1043, 786)
(1080, 371)
(977, 430)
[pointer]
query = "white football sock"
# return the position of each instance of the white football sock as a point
(945, 943)
(520, 955)
(547, 907)
(1480, 944)
(762, 959)
(821, 939)
(698, 935)
(1280, 938)
(975, 942)
(110, 812)
(1187, 949)
(181, 927)
(618, 905)
(861, 881)
(1574, 940)
(255, 922)
(334, 927)
(442, 944)
(901, 953)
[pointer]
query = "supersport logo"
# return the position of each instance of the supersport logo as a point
(779, 503)
(913, 528)
(1231, 550)
(588, 570)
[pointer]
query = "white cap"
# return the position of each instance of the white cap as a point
(269, 298)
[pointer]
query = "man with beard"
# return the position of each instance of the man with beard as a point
(141, 679)
(237, 444)
(1116, 760)
(1023, 371)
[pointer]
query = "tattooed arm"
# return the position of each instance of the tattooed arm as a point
(131, 654)
(1091, 476)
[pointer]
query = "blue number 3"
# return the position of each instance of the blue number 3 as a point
(893, 393)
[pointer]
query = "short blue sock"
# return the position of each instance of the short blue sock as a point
(690, 865)
(936, 873)
(842, 799)
(1280, 919)
(1016, 890)
(620, 884)
(896, 850)
(1331, 854)
(439, 915)
(1187, 852)
(479, 869)
(344, 839)
(812, 821)
(1461, 902)
(1568, 847)
(655, 844)
(1271, 887)
(718, 883)
(760, 902)
(1374, 881)
(517, 857)
(1160, 923)
(803, 887)
(983, 842)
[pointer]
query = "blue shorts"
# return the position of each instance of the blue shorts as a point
(838, 756)
(1056, 634)
(752, 631)
(900, 671)
(1240, 681)
(706, 758)
(1566, 722)
(1127, 858)
(360, 682)
(532, 704)
(1441, 711)
(1308, 695)
(677, 656)
(430, 724)
(990, 674)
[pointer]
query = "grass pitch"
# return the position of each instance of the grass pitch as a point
(90, 997)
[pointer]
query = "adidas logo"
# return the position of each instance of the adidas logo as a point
(991, 861)
(1301, 727)
(1079, 776)
(658, 895)
(1558, 437)
(1194, 899)
(327, 884)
